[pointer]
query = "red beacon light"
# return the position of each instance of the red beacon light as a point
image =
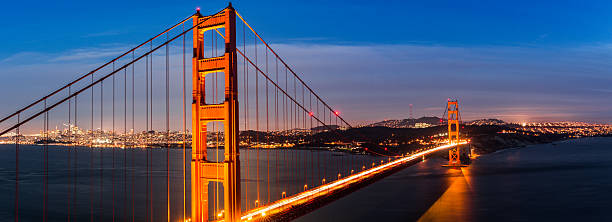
(337, 112)
(198, 9)
(311, 114)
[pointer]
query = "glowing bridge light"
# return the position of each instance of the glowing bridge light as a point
(311, 114)
(337, 112)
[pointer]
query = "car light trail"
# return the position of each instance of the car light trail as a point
(302, 197)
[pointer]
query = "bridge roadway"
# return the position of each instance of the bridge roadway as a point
(325, 190)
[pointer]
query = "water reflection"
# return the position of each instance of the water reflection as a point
(455, 204)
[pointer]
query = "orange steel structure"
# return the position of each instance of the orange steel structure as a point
(454, 154)
(202, 170)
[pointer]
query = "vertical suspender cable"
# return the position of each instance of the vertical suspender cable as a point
(45, 159)
(69, 153)
(151, 97)
(184, 131)
(167, 130)
(132, 136)
(17, 169)
(101, 149)
(298, 154)
(285, 121)
(125, 136)
(147, 135)
(303, 128)
(147, 94)
(257, 120)
(267, 132)
(276, 157)
(91, 156)
(319, 153)
(312, 181)
(113, 144)
(74, 167)
(151, 153)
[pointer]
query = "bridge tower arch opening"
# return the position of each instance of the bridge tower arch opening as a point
(204, 171)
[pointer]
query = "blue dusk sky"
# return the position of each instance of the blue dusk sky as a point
(513, 60)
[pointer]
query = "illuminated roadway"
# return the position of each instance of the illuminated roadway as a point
(308, 195)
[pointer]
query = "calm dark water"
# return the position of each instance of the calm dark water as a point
(86, 184)
(570, 181)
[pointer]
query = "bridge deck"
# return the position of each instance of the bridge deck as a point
(324, 191)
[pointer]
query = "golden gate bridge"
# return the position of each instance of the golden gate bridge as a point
(244, 95)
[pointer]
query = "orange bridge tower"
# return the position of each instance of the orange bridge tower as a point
(454, 154)
(204, 171)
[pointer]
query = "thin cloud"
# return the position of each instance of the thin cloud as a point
(80, 55)
(88, 54)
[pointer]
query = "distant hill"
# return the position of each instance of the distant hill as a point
(409, 123)
(324, 128)
(487, 122)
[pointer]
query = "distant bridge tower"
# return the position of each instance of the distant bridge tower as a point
(202, 170)
(411, 117)
(454, 154)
